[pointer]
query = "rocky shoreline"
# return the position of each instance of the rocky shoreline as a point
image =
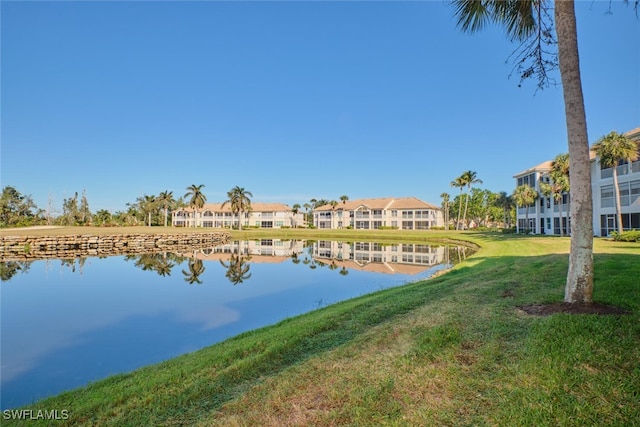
(28, 248)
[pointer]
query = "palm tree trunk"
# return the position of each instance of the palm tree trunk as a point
(466, 203)
(579, 286)
(459, 211)
(561, 225)
(618, 204)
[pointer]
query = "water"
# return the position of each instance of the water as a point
(66, 323)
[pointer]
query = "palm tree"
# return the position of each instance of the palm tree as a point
(556, 188)
(523, 20)
(505, 202)
(165, 199)
(445, 209)
(307, 216)
(239, 202)
(147, 206)
(470, 178)
(196, 200)
(103, 217)
(459, 183)
(294, 210)
(525, 196)
(344, 199)
(560, 175)
(612, 149)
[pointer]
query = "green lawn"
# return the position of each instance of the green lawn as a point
(454, 350)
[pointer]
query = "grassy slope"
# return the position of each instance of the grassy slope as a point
(451, 351)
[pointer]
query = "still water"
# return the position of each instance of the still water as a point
(66, 323)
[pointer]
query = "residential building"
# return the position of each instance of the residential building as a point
(262, 215)
(604, 205)
(405, 213)
(545, 216)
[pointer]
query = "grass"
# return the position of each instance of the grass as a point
(454, 350)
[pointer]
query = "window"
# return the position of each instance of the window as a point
(394, 213)
(634, 196)
(407, 225)
(407, 214)
(422, 225)
(606, 196)
(361, 246)
(529, 180)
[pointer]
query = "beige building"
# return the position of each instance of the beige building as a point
(404, 213)
(262, 215)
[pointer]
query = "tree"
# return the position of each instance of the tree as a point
(84, 212)
(555, 189)
(102, 217)
(294, 210)
(505, 201)
(16, 209)
(344, 199)
(469, 178)
(525, 196)
(239, 202)
(529, 22)
(148, 205)
(459, 183)
(165, 200)
(70, 211)
(560, 175)
(196, 201)
(612, 149)
(445, 209)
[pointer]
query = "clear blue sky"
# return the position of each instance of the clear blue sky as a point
(290, 100)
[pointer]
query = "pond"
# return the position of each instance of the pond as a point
(66, 323)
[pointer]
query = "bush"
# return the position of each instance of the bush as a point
(626, 236)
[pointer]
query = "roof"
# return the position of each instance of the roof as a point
(546, 166)
(380, 203)
(542, 167)
(255, 207)
(633, 134)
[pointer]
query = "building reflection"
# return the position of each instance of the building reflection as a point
(397, 258)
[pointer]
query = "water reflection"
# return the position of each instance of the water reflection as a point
(72, 321)
(237, 256)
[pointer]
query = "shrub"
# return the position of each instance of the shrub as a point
(626, 236)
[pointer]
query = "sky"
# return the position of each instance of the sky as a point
(290, 100)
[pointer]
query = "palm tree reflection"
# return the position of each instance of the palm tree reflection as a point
(237, 268)
(196, 268)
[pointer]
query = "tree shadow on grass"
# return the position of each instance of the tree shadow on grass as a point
(567, 308)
